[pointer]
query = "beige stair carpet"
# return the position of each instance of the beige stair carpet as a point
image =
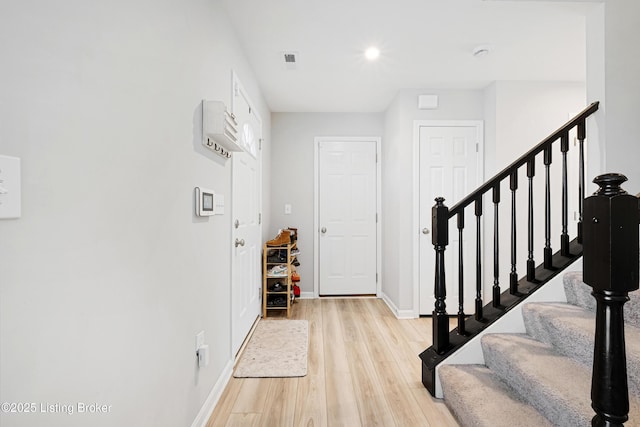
(277, 348)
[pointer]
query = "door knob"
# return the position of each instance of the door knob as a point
(425, 230)
(323, 230)
(239, 242)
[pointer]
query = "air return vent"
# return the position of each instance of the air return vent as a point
(290, 60)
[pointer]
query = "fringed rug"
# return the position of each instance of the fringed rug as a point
(277, 348)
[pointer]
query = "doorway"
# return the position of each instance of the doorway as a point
(347, 216)
(246, 225)
(449, 162)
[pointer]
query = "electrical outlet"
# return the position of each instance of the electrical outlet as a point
(287, 209)
(199, 340)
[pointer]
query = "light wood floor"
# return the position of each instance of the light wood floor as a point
(363, 370)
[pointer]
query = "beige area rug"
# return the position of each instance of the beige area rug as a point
(277, 348)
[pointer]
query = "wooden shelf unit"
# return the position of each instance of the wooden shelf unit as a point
(268, 281)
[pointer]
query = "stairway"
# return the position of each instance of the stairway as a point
(543, 377)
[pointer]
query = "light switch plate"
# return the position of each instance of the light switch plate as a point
(199, 340)
(10, 200)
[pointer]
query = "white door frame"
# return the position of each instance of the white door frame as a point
(236, 85)
(417, 124)
(316, 226)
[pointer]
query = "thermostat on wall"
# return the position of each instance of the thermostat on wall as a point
(205, 202)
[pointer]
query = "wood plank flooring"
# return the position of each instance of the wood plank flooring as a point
(363, 370)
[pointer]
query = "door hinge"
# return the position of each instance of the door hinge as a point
(260, 144)
(376, 277)
(477, 147)
(376, 217)
(376, 157)
(259, 218)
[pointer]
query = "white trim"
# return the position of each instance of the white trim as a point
(400, 314)
(417, 124)
(316, 256)
(214, 397)
(307, 295)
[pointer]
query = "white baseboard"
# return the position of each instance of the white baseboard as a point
(307, 295)
(400, 314)
(212, 400)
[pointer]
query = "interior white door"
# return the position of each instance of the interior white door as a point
(246, 234)
(347, 217)
(449, 167)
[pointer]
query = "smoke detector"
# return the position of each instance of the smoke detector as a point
(290, 59)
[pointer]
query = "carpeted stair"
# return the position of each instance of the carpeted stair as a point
(542, 377)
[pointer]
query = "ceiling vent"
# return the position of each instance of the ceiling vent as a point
(290, 60)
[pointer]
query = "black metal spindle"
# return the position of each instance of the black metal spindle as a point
(513, 277)
(581, 130)
(548, 253)
(531, 264)
(440, 240)
(478, 212)
(564, 238)
(461, 316)
(496, 251)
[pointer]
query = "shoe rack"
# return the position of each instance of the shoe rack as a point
(274, 297)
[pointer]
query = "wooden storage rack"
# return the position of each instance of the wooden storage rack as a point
(268, 281)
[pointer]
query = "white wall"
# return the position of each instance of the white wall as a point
(398, 183)
(519, 116)
(108, 276)
(612, 76)
(292, 171)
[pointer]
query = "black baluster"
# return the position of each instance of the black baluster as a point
(531, 264)
(581, 135)
(548, 252)
(513, 277)
(440, 240)
(564, 238)
(461, 316)
(496, 252)
(478, 212)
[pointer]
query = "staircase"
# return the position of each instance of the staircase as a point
(543, 377)
(559, 372)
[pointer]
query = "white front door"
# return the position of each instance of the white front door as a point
(450, 167)
(347, 204)
(245, 214)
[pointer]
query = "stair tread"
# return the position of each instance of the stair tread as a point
(478, 398)
(579, 293)
(570, 330)
(557, 386)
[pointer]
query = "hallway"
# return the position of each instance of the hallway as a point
(363, 370)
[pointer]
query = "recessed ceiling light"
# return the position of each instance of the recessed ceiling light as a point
(372, 53)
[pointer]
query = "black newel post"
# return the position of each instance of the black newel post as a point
(610, 251)
(440, 240)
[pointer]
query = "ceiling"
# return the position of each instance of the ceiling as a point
(424, 44)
